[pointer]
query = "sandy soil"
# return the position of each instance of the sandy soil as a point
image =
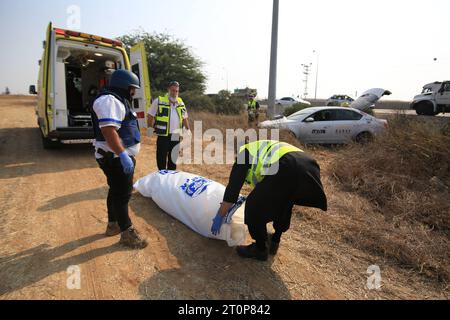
(53, 214)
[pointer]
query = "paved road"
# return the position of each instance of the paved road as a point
(407, 112)
(390, 112)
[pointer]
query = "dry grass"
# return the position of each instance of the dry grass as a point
(389, 197)
(323, 256)
(18, 100)
(224, 122)
(405, 176)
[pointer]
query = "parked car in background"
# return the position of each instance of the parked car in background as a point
(288, 101)
(339, 100)
(283, 104)
(329, 125)
(434, 99)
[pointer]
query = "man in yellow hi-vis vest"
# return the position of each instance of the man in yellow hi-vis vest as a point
(282, 176)
(252, 109)
(167, 117)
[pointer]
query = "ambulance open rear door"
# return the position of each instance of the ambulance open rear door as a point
(142, 98)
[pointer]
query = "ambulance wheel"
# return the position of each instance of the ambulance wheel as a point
(49, 144)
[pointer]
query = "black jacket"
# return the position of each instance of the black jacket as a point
(304, 184)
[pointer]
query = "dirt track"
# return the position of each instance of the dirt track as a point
(52, 216)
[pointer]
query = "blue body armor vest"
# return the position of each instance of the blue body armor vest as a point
(129, 129)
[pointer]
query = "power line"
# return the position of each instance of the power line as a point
(306, 72)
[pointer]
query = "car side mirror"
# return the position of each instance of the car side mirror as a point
(309, 120)
(32, 89)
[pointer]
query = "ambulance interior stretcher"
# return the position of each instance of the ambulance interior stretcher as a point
(81, 72)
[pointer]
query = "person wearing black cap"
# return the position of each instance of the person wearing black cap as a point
(167, 118)
(117, 142)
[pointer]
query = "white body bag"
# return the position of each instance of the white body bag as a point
(194, 201)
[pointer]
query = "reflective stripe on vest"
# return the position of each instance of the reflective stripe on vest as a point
(252, 104)
(263, 154)
(162, 119)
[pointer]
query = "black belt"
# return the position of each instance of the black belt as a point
(105, 154)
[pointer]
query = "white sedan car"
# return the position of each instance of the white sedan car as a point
(329, 125)
(288, 101)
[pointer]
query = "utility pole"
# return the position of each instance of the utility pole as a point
(226, 74)
(273, 60)
(306, 72)
(317, 74)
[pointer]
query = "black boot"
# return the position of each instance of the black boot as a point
(112, 229)
(273, 246)
(252, 252)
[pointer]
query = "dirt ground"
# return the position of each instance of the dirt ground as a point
(53, 214)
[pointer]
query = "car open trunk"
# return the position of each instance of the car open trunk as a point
(368, 99)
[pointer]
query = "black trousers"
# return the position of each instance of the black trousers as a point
(258, 230)
(273, 199)
(167, 152)
(120, 189)
(270, 201)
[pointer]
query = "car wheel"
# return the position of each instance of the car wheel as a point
(364, 137)
(293, 135)
(439, 110)
(425, 108)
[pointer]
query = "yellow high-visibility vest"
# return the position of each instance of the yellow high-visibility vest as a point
(252, 104)
(162, 119)
(263, 154)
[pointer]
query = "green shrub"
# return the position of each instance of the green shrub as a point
(226, 103)
(156, 94)
(295, 108)
(198, 101)
(222, 103)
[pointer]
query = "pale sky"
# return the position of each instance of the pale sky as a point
(361, 44)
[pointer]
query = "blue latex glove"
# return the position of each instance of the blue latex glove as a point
(217, 224)
(127, 163)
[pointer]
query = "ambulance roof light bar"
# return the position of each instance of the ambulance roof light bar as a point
(69, 33)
